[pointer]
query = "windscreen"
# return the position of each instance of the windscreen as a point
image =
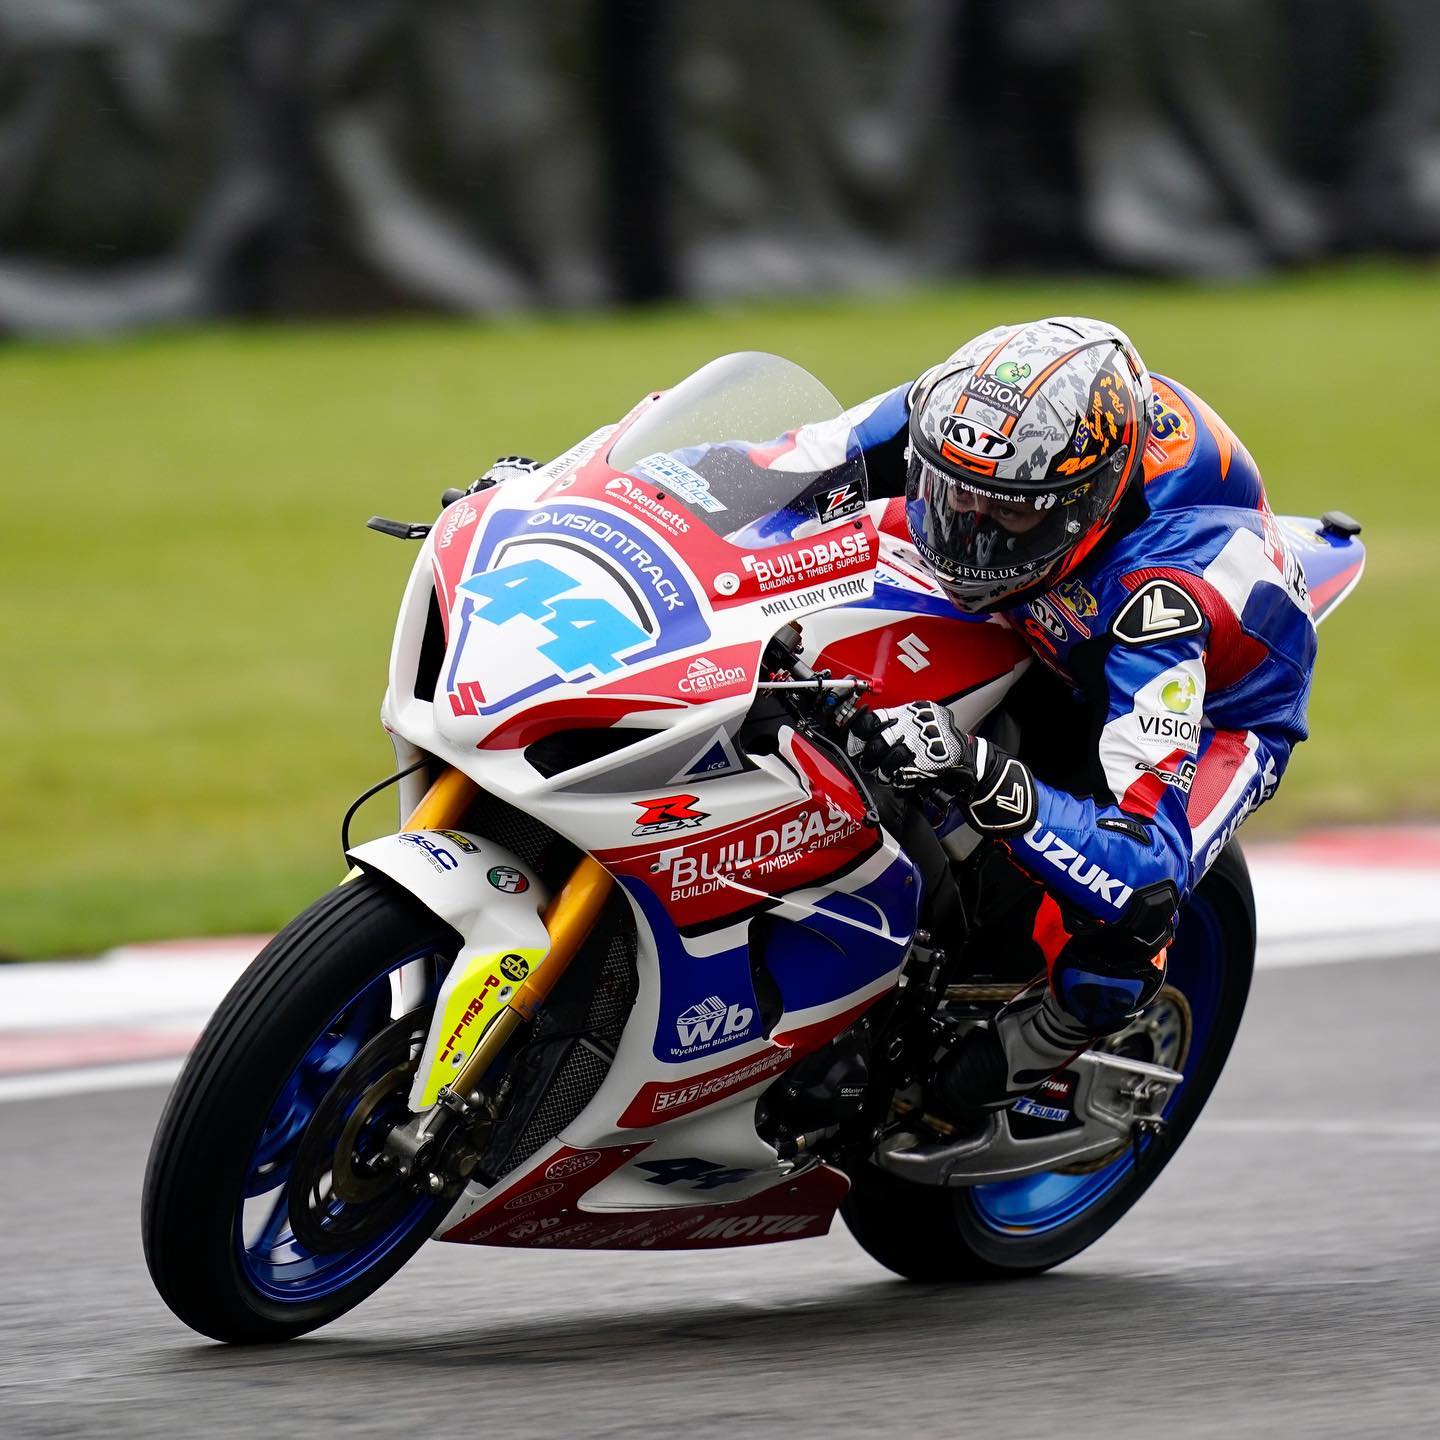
(753, 445)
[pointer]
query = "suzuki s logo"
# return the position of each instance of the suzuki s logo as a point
(711, 1019)
(669, 812)
(913, 651)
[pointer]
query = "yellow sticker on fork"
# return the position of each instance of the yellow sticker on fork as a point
(470, 1002)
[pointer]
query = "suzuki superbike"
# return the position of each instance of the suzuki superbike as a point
(649, 963)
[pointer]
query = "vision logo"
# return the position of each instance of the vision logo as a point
(1179, 695)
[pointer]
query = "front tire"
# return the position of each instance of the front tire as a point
(1025, 1226)
(311, 1033)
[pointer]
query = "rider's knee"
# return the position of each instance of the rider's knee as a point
(1104, 975)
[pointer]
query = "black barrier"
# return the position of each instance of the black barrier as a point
(173, 159)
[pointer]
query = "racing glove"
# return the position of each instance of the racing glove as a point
(920, 744)
(507, 467)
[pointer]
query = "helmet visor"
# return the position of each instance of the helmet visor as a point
(984, 544)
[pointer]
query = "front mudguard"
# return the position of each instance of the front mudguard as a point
(494, 904)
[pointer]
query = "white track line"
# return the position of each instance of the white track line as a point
(88, 1082)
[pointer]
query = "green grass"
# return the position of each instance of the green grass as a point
(197, 625)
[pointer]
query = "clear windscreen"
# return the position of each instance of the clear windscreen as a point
(752, 444)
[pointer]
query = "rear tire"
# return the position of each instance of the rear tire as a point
(242, 1115)
(981, 1233)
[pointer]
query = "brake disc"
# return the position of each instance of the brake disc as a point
(337, 1197)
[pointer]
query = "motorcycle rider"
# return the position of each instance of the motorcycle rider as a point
(1115, 521)
(1043, 475)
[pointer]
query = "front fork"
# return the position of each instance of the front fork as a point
(568, 919)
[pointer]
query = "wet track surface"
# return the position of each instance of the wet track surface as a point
(1283, 1276)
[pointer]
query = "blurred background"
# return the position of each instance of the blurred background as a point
(270, 266)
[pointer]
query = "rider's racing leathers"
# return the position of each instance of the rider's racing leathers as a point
(1186, 644)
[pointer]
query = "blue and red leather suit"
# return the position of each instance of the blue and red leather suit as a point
(1193, 702)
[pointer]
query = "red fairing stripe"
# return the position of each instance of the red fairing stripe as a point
(542, 1212)
(1214, 771)
(582, 713)
(958, 656)
(659, 1100)
(1230, 654)
(455, 532)
(1326, 591)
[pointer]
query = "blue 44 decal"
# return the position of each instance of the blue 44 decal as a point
(586, 631)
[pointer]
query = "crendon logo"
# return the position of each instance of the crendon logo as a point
(1085, 873)
(704, 675)
(711, 1019)
(669, 812)
(456, 519)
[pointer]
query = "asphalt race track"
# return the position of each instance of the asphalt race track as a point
(1282, 1277)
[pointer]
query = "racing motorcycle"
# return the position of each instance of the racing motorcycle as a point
(650, 964)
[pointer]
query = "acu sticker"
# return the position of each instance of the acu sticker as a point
(1157, 611)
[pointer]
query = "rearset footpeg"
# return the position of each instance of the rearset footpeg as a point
(1116, 1100)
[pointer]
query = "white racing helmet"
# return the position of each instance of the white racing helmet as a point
(1021, 447)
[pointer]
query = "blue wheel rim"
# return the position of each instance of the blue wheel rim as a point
(1037, 1204)
(277, 1264)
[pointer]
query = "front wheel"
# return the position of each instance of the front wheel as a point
(262, 1217)
(1023, 1226)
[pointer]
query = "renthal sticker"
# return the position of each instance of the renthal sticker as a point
(992, 390)
(461, 842)
(568, 1165)
(533, 1197)
(457, 517)
(676, 522)
(836, 592)
(732, 1228)
(969, 437)
(1157, 611)
(508, 879)
(704, 679)
(669, 812)
(514, 967)
(671, 474)
(808, 562)
(1085, 873)
(439, 857)
(1179, 779)
(835, 504)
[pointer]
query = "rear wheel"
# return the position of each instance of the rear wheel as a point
(1024, 1226)
(263, 1214)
